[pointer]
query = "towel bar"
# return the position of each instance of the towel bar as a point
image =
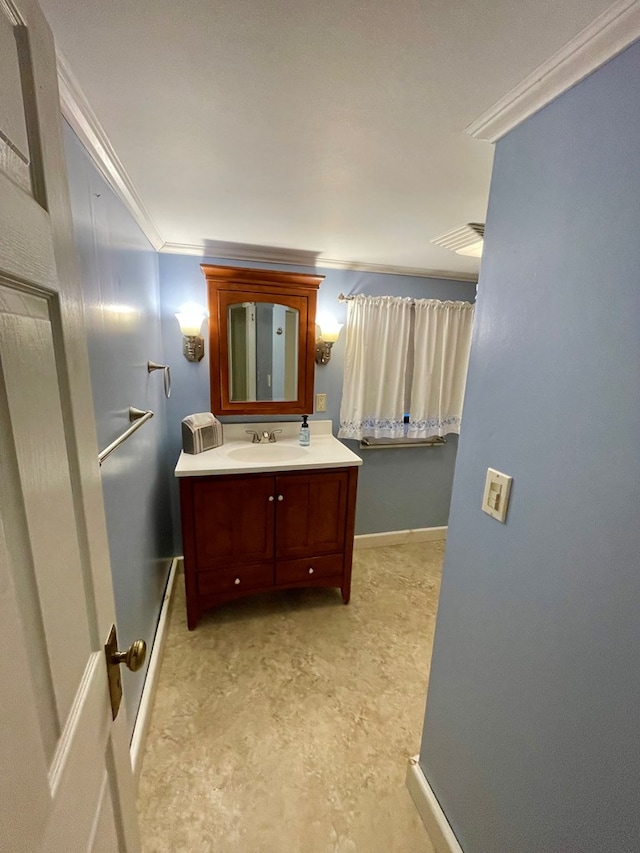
(137, 418)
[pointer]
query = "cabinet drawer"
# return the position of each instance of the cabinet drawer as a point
(238, 579)
(294, 571)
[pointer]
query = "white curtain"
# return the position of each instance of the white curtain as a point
(441, 354)
(375, 362)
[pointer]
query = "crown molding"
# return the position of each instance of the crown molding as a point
(77, 111)
(300, 258)
(608, 35)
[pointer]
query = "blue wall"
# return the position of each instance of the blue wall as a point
(398, 489)
(121, 300)
(531, 730)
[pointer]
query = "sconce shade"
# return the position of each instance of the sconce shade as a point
(190, 322)
(329, 328)
(330, 334)
(328, 331)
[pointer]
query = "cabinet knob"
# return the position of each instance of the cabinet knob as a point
(310, 570)
(237, 581)
(280, 497)
(270, 498)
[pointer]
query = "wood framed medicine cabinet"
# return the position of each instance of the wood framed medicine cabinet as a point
(261, 340)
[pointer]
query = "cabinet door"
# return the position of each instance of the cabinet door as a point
(233, 520)
(311, 513)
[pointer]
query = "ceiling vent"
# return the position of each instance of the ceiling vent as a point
(465, 240)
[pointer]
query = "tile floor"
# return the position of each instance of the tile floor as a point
(284, 722)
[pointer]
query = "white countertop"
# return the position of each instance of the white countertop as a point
(238, 455)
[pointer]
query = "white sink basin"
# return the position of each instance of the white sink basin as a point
(266, 453)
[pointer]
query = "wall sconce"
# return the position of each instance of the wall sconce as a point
(190, 320)
(327, 333)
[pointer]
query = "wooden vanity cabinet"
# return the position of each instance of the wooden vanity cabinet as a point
(246, 533)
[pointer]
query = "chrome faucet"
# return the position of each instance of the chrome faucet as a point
(256, 438)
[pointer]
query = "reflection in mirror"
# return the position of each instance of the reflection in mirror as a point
(263, 352)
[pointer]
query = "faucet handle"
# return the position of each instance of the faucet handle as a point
(272, 435)
(256, 437)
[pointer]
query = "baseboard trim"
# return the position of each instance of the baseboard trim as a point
(428, 807)
(398, 537)
(143, 718)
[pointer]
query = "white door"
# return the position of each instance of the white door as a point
(65, 776)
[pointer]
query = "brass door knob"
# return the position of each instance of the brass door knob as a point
(134, 656)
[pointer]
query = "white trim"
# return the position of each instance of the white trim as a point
(78, 112)
(143, 718)
(605, 37)
(398, 537)
(301, 258)
(434, 819)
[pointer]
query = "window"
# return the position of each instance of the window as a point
(404, 356)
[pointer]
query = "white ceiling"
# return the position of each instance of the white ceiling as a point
(333, 127)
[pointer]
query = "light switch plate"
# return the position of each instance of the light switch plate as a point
(497, 489)
(321, 402)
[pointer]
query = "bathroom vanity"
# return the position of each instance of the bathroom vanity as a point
(268, 515)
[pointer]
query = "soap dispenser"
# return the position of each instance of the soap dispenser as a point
(305, 432)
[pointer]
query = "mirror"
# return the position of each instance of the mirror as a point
(263, 352)
(261, 340)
